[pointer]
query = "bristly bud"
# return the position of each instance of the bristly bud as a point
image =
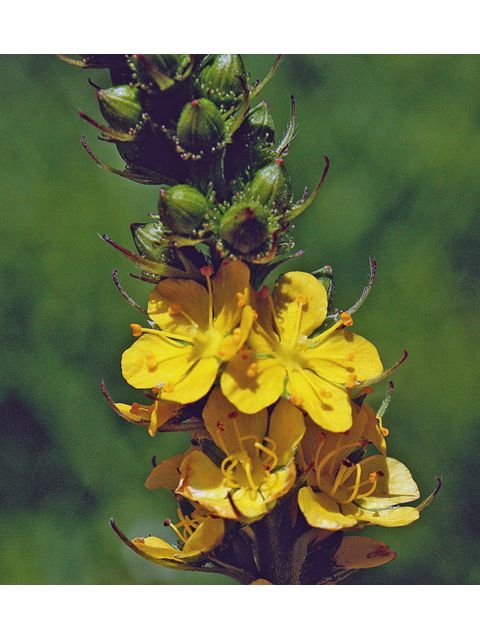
(245, 228)
(150, 241)
(182, 209)
(120, 106)
(253, 144)
(200, 127)
(272, 186)
(160, 72)
(222, 79)
(325, 276)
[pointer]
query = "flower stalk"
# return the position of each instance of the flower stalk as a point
(287, 457)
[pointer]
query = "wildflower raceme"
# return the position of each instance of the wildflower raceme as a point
(270, 383)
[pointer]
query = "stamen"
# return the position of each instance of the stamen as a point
(384, 431)
(174, 308)
(269, 453)
(346, 319)
(206, 271)
(151, 360)
(324, 393)
(351, 357)
(252, 370)
(228, 472)
(296, 401)
(351, 380)
(356, 486)
(237, 335)
(302, 299)
(134, 408)
(168, 386)
(168, 523)
(241, 300)
(136, 330)
(264, 292)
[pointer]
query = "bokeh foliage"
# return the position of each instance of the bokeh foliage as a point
(403, 137)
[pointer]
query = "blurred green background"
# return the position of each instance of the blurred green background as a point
(403, 137)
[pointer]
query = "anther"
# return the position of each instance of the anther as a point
(151, 360)
(168, 386)
(221, 426)
(233, 415)
(241, 300)
(136, 330)
(351, 380)
(346, 319)
(347, 463)
(174, 308)
(134, 408)
(167, 522)
(296, 401)
(302, 299)
(206, 271)
(324, 393)
(384, 431)
(264, 292)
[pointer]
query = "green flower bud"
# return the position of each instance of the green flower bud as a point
(160, 71)
(200, 126)
(182, 209)
(272, 186)
(150, 241)
(222, 79)
(252, 146)
(120, 106)
(245, 227)
(325, 276)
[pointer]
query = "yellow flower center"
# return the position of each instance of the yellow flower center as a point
(241, 469)
(345, 485)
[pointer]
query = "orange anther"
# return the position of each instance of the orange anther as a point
(296, 401)
(136, 330)
(302, 299)
(241, 300)
(221, 426)
(151, 360)
(168, 386)
(384, 431)
(346, 319)
(351, 380)
(324, 393)
(174, 308)
(206, 271)
(134, 408)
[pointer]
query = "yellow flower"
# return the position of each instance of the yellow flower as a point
(345, 490)
(257, 468)
(152, 416)
(201, 533)
(198, 329)
(286, 357)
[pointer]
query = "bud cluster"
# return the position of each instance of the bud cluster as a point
(189, 124)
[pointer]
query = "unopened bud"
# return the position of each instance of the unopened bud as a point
(245, 227)
(222, 80)
(200, 126)
(150, 241)
(160, 71)
(272, 186)
(120, 106)
(182, 209)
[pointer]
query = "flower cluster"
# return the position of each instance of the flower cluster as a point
(286, 454)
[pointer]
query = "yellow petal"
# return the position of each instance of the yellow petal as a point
(230, 279)
(323, 512)
(251, 394)
(395, 487)
(261, 581)
(343, 354)
(394, 517)
(332, 413)
(286, 429)
(203, 482)
(173, 359)
(178, 295)
(162, 412)
(205, 538)
(166, 475)
(194, 383)
(357, 552)
(218, 409)
(298, 284)
(155, 548)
